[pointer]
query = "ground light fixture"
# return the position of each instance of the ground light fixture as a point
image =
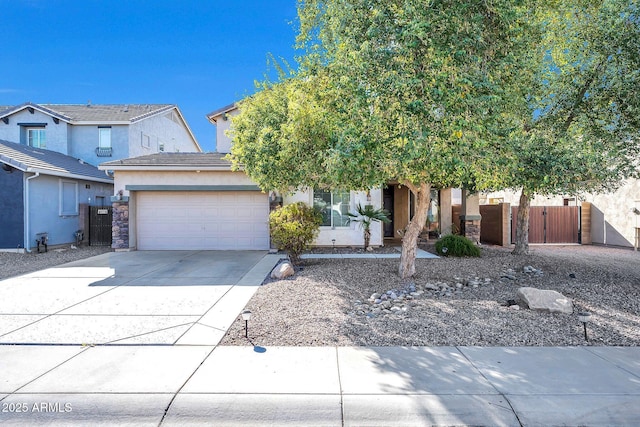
(584, 317)
(246, 315)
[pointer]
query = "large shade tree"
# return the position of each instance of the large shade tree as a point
(404, 91)
(581, 133)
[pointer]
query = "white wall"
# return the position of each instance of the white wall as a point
(160, 129)
(345, 236)
(223, 142)
(123, 178)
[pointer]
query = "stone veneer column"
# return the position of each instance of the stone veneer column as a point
(120, 224)
(470, 217)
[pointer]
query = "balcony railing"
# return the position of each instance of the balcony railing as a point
(104, 151)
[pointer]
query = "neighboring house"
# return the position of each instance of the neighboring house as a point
(614, 217)
(93, 134)
(96, 133)
(42, 191)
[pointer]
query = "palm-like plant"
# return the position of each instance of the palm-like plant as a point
(365, 216)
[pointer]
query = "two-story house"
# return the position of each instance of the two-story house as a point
(49, 155)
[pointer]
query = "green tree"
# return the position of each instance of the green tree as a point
(581, 134)
(365, 216)
(388, 90)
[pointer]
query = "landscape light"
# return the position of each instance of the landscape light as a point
(584, 317)
(246, 315)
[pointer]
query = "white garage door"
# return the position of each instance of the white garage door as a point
(168, 220)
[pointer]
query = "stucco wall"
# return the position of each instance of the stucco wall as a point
(84, 141)
(44, 207)
(345, 236)
(56, 135)
(160, 129)
(12, 210)
(223, 142)
(124, 178)
(612, 219)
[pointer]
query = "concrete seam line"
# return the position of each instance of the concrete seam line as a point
(166, 411)
(340, 385)
(492, 385)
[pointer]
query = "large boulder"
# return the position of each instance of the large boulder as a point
(545, 300)
(282, 271)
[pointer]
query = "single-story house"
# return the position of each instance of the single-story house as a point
(42, 191)
(195, 201)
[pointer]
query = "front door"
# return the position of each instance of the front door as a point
(387, 203)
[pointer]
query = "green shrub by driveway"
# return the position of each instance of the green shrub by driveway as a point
(293, 228)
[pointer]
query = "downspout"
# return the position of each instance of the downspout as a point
(27, 246)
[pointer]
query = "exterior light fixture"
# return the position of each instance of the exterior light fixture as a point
(584, 317)
(368, 196)
(246, 315)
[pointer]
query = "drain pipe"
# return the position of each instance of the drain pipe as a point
(27, 226)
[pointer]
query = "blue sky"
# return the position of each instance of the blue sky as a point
(200, 55)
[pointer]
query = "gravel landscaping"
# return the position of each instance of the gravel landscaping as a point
(15, 264)
(450, 301)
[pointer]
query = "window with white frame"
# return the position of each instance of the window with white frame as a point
(36, 137)
(334, 207)
(146, 141)
(104, 137)
(68, 198)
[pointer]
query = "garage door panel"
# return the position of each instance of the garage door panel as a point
(202, 220)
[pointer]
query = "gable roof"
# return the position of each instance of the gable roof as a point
(94, 112)
(171, 161)
(47, 162)
(221, 112)
(84, 114)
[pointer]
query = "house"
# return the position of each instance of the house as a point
(42, 191)
(40, 139)
(194, 201)
(96, 133)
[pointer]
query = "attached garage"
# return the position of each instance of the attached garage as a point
(202, 220)
(186, 201)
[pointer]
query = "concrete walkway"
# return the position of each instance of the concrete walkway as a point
(183, 377)
(323, 386)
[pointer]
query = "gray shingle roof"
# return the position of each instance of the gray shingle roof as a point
(172, 160)
(48, 162)
(107, 112)
(95, 112)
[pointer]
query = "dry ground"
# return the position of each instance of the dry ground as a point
(322, 304)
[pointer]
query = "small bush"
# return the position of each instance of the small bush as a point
(455, 245)
(293, 228)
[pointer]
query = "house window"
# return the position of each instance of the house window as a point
(36, 138)
(334, 207)
(104, 137)
(68, 198)
(146, 141)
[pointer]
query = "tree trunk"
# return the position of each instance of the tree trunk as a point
(367, 238)
(407, 266)
(522, 225)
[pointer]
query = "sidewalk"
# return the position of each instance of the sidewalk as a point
(324, 386)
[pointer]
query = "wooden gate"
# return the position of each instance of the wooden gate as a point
(550, 224)
(100, 225)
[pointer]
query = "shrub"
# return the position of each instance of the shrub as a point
(293, 228)
(455, 245)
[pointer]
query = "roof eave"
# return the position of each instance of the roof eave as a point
(190, 168)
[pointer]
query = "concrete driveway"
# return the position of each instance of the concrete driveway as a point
(144, 297)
